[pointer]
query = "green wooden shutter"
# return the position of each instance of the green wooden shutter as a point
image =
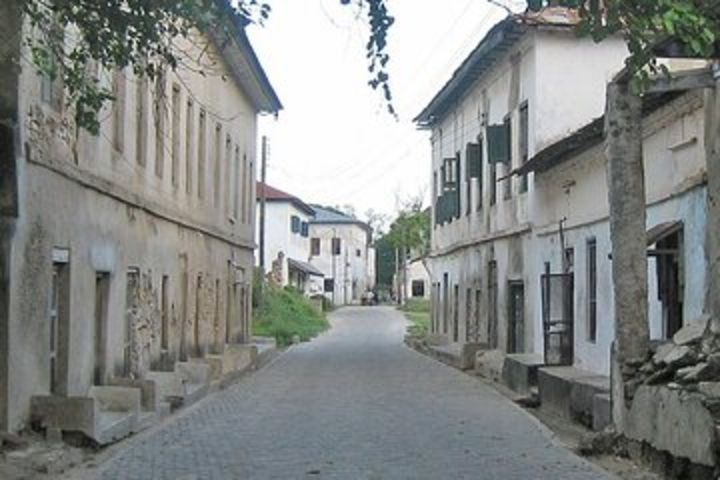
(473, 158)
(498, 138)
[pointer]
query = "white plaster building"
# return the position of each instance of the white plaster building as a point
(571, 188)
(528, 83)
(124, 253)
(341, 249)
(287, 239)
(417, 281)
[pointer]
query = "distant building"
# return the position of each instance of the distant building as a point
(416, 279)
(287, 239)
(340, 247)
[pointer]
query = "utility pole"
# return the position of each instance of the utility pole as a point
(263, 173)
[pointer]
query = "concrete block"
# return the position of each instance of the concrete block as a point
(520, 371)
(167, 384)
(582, 394)
(116, 399)
(672, 421)
(437, 339)
(215, 364)
(468, 353)
(554, 392)
(148, 390)
(601, 411)
(238, 357)
(490, 364)
(63, 413)
(568, 392)
(193, 372)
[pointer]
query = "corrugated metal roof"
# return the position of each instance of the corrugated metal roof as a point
(304, 267)
(329, 215)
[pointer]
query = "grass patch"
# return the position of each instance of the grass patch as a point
(417, 311)
(284, 313)
(417, 305)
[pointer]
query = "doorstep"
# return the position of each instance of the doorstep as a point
(571, 393)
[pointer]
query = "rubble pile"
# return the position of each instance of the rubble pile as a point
(690, 362)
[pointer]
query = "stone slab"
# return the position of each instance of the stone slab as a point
(116, 399)
(167, 384)
(490, 364)
(601, 411)
(63, 413)
(148, 391)
(520, 371)
(193, 372)
(672, 421)
(568, 392)
(692, 332)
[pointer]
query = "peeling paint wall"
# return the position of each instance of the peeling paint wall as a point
(538, 70)
(114, 215)
(577, 191)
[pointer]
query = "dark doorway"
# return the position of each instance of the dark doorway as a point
(59, 325)
(102, 295)
(492, 304)
(445, 303)
(668, 240)
(557, 316)
(516, 317)
(456, 314)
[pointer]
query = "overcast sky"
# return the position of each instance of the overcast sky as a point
(334, 143)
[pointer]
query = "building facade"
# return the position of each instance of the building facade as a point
(340, 247)
(572, 232)
(287, 239)
(125, 252)
(508, 100)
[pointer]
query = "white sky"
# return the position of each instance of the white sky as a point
(334, 143)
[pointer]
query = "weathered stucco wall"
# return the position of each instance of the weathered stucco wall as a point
(122, 204)
(347, 269)
(576, 191)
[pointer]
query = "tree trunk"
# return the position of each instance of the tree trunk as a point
(712, 222)
(626, 192)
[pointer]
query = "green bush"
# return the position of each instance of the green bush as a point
(284, 313)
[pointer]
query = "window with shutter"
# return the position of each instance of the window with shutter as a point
(498, 138)
(295, 224)
(304, 229)
(507, 192)
(480, 174)
(456, 187)
(523, 142)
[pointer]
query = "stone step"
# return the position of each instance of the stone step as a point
(569, 392)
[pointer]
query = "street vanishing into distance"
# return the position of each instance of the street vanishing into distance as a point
(355, 403)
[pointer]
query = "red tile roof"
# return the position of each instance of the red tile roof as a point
(277, 195)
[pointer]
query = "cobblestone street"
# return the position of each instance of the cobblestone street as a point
(353, 404)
